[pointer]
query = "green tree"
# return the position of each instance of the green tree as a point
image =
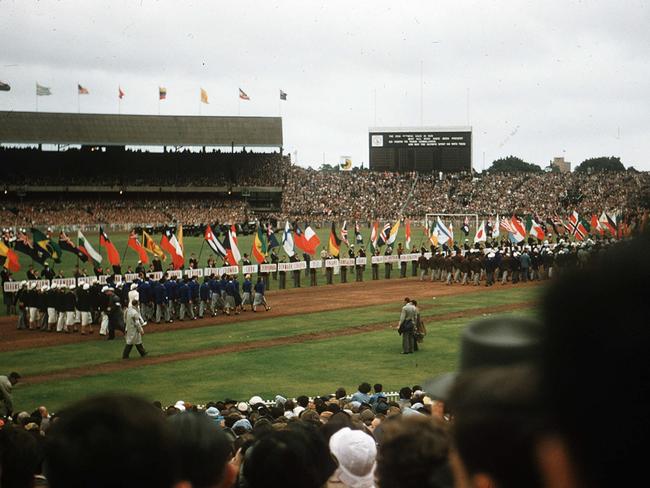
(601, 164)
(328, 167)
(513, 164)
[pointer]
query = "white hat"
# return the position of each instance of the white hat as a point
(134, 286)
(242, 407)
(45, 288)
(72, 287)
(104, 288)
(180, 404)
(255, 400)
(298, 410)
(86, 286)
(356, 453)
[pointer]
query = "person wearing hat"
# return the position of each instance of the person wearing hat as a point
(260, 299)
(360, 268)
(114, 313)
(247, 292)
(388, 266)
(205, 297)
(406, 326)
(85, 308)
(356, 453)
(402, 264)
(134, 330)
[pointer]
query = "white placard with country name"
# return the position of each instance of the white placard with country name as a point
(231, 270)
(316, 264)
(249, 269)
(116, 278)
(11, 286)
(156, 275)
(268, 268)
(64, 281)
(283, 266)
(175, 273)
(392, 259)
(331, 263)
(377, 259)
(362, 261)
(131, 277)
(91, 280)
(193, 272)
(297, 266)
(346, 261)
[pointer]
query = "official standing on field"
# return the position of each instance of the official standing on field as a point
(406, 329)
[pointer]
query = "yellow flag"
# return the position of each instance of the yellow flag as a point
(204, 96)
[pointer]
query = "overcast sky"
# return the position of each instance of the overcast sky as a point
(542, 78)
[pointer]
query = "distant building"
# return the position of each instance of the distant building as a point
(562, 165)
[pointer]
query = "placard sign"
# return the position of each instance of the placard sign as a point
(91, 280)
(316, 264)
(249, 269)
(64, 281)
(361, 261)
(331, 263)
(268, 268)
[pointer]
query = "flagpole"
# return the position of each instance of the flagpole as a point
(198, 260)
(78, 101)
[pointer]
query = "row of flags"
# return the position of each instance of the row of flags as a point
(41, 247)
(576, 226)
(46, 91)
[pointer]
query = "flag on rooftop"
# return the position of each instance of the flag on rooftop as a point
(283, 95)
(82, 90)
(120, 93)
(162, 93)
(243, 95)
(5, 87)
(204, 96)
(43, 91)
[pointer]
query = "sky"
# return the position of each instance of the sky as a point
(534, 79)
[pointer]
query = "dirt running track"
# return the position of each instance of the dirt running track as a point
(283, 303)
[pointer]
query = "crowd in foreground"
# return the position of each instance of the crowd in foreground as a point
(519, 412)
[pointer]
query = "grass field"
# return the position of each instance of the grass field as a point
(309, 367)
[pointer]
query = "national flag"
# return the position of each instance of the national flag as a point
(5, 87)
(374, 234)
(534, 229)
(230, 244)
(162, 93)
(595, 225)
(393, 233)
(120, 93)
(608, 222)
(171, 245)
(407, 233)
(66, 244)
(334, 243)
(243, 95)
(283, 95)
(442, 233)
(357, 233)
(213, 242)
(41, 241)
(9, 258)
(312, 240)
(575, 227)
(344, 233)
(271, 240)
(558, 225)
(465, 226)
(298, 237)
(204, 96)
(287, 240)
(451, 232)
(259, 250)
(87, 248)
(43, 91)
(25, 245)
(111, 251)
(82, 90)
(517, 229)
(383, 234)
(151, 247)
(135, 244)
(481, 235)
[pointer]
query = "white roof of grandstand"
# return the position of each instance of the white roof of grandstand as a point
(138, 130)
(447, 128)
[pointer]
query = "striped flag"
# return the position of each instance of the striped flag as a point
(120, 93)
(287, 240)
(374, 234)
(407, 233)
(334, 244)
(151, 247)
(162, 93)
(344, 233)
(393, 233)
(82, 90)
(87, 248)
(243, 95)
(213, 242)
(43, 91)
(259, 246)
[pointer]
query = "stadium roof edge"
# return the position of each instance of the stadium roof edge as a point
(138, 130)
(448, 128)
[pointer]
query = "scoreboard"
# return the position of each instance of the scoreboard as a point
(422, 149)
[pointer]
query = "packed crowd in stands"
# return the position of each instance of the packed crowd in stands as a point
(518, 413)
(310, 195)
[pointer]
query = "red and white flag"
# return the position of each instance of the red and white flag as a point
(407, 233)
(232, 250)
(536, 230)
(311, 240)
(170, 244)
(480, 236)
(243, 95)
(135, 244)
(120, 93)
(111, 251)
